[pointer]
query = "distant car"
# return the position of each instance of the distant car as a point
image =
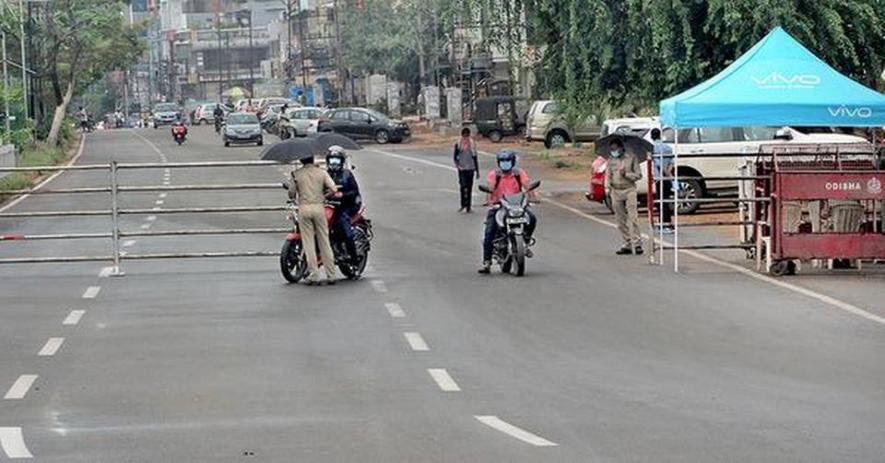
(300, 122)
(242, 128)
(204, 114)
(498, 116)
(165, 114)
(364, 124)
(630, 125)
(262, 104)
(546, 122)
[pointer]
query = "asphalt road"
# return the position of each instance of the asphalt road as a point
(590, 357)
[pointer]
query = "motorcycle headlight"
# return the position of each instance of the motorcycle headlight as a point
(515, 212)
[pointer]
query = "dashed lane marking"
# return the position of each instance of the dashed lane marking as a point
(416, 342)
(51, 347)
(443, 380)
(500, 425)
(13, 443)
(145, 226)
(91, 292)
(829, 300)
(394, 310)
(379, 286)
(105, 272)
(74, 317)
(20, 387)
(128, 243)
(151, 218)
(159, 202)
(163, 195)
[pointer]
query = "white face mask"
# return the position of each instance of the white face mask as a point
(616, 153)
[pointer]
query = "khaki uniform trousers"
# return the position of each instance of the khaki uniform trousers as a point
(315, 234)
(626, 208)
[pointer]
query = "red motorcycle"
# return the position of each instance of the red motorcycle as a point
(179, 133)
(293, 262)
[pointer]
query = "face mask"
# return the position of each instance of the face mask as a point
(616, 153)
(506, 166)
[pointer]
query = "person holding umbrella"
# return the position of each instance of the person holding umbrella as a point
(620, 184)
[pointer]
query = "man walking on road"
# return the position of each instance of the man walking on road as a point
(468, 167)
(309, 186)
(620, 184)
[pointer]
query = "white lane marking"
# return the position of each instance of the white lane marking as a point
(105, 272)
(128, 243)
(74, 317)
(416, 342)
(159, 202)
(51, 347)
(146, 226)
(20, 388)
(13, 443)
(151, 218)
(157, 208)
(48, 179)
(153, 146)
(498, 424)
(839, 304)
(443, 380)
(394, 310)
(379, 286)
(166, 182)
(91, 292)
(163, 195)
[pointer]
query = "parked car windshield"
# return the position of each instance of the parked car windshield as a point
(242, 119)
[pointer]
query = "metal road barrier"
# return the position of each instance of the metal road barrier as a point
(114, 189)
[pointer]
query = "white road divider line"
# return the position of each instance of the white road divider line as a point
(163, 195)
(20, 387)
(157, 208)
(151, 218)
(74, 317)
(416, 342)
(145, 226)
(443, 380)
(379, 286)
(500, 425)
(91, 292)
(128, 243)
(51, 347)
(105, 272)
(159, 202)
(394, 310)
(831, 301)
(13, 443)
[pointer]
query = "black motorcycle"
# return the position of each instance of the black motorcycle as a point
(509, 245)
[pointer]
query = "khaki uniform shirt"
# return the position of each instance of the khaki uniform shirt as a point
(622, 172)
(309, 185)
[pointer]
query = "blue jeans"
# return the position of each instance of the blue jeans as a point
(342, 221)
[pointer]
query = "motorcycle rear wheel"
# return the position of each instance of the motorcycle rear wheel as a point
(355, 271)
(293, 266)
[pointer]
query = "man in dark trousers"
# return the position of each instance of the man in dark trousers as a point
(350, 199)
(468, 167)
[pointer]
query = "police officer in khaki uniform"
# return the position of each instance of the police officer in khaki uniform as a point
(310, 185)
(620, 184)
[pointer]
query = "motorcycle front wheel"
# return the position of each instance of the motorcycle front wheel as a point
(293, 265)
(518, 250)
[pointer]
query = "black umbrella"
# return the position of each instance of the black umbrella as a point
(633, 144)
(326, 140)
(292, 150)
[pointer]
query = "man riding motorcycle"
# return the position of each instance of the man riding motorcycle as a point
(350, 199)
(506, 179)
(218, 114)
(178, 127)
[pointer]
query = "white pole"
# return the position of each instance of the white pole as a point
(5, 87)
(676, 198)
(661, 206)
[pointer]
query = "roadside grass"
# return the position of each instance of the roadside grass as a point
(35, 154)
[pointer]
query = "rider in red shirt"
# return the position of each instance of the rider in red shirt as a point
(506, 179)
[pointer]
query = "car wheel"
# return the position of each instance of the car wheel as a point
(226, 143)
(495, 136)
(556, 139)
(382, 137)
(261, 142)
(690, 189)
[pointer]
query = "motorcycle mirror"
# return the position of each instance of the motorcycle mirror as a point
(534, 185)
(484, 188)
(285, 185)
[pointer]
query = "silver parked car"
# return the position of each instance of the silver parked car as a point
(300, 122)
(242, 128)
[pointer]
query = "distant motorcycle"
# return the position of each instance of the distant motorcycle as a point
(509, 245)
(293, 262)
(179, 134)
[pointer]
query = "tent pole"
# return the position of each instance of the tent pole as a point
(661, 205)
(676, 199)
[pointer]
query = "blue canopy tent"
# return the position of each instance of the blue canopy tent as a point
(778, 82)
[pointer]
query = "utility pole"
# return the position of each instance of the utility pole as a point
(303, 52)
(339, 72)
(21, 25)
(251, 54)
(5, 85)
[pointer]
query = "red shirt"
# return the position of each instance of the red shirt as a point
(507, 185)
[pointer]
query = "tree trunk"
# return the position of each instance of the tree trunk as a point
(58, 117)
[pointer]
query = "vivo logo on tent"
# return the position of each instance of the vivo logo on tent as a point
(778, 80)
(856, 113)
